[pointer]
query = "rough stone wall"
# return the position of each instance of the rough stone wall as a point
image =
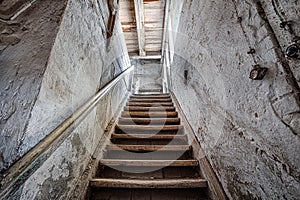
(25, 46)
(82, 60)
(248, 129)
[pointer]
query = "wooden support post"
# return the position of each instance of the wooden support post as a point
(140, 24)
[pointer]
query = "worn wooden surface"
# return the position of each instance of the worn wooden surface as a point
(149, 155)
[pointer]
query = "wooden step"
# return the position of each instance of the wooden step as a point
(149, 129)
(150, 91)
(143, 173)
(147, 109)
(150, 163)
(146, 139)
(165, 183)
(147, 121)
(148, 148)
(148, 155)
(150, 114)
(149, 104)
(149, 100)
(149, 137)
(150, 96)
(148, 194)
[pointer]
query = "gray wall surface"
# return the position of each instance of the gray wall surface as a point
(248, 129)
(80, 63)
(25, 49)
(147, 75)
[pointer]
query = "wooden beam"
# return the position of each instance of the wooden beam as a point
(140, 24)
(129, 183)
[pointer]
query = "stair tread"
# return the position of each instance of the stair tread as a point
(149, 100)
(143, 173)
(150, 114)
(146, 136)
(152, 127)
(140, 108)
(141, 163)
(150, 104)
(150, 96)
(147, 121)
(149, 147)
(137, 183)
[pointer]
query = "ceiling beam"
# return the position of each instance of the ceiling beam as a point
(140, 23)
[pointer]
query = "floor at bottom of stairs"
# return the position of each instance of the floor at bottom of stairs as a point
(148, 194)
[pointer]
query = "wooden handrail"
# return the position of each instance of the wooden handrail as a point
(19, 172)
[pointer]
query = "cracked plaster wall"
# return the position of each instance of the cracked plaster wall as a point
(81, 61)
(25, 46)
(248, 129)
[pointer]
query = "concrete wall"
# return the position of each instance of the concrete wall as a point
(248, 129)
(147, 75)
(81, 61)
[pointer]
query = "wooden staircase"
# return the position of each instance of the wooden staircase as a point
(149, 157)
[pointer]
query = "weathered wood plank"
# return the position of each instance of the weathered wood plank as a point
(147, 121)
(150, 100)
(149, 104)
(150, 114)
(136, 108)
(130, 183)
(150, 128)
(150, 163)
(142, 148)
(151, 137)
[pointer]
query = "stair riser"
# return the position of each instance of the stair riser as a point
(167, 155)
(144, 173)
(149, 194)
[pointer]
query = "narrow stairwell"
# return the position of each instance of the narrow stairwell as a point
(149, 157)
